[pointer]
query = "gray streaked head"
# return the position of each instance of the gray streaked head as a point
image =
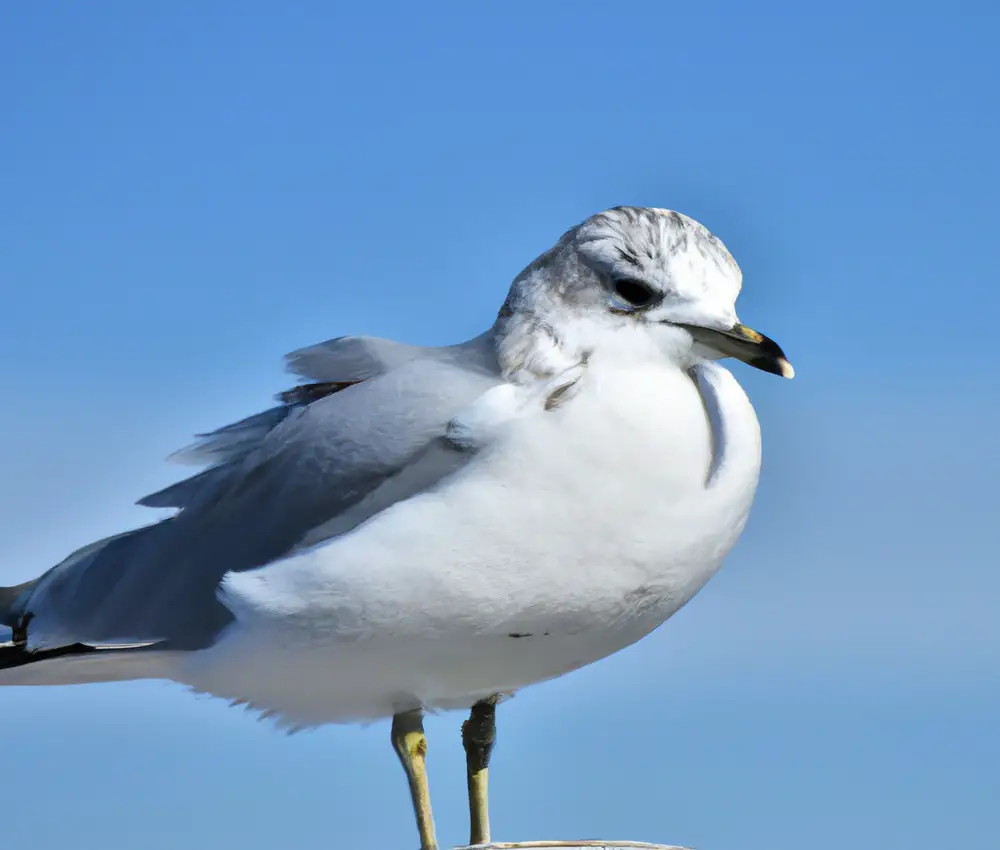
(635, 278)
(674, 252)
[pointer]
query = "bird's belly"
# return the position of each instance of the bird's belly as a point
(574, 536)
(312, 685)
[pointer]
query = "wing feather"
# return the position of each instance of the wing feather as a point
(281, 479)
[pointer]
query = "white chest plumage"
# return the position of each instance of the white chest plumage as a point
(573, 533)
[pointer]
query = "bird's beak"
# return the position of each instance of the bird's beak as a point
(745, 344)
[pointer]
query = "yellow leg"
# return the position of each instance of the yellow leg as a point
(411, 746)
(478, 737)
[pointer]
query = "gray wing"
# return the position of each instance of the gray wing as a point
(333, 365)
(308, 469)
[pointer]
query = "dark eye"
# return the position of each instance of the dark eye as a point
(633, 292)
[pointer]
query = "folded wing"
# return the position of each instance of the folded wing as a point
(369, 432)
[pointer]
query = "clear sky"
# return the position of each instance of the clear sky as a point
(192, 189)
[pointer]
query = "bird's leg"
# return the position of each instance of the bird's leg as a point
(411, 746)
(479, 734)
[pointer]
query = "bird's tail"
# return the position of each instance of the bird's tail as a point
(10, 603)
(73, 663)
(80, 664)
(11, 616)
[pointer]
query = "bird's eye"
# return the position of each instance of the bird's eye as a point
(633, 292)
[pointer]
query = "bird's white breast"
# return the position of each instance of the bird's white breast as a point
(582, 527)
(616, 495)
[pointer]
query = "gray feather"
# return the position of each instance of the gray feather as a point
(286, 477)
(231, 442)
(360, 358)
(351, 358)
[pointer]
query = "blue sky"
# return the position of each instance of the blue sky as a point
(193, 189)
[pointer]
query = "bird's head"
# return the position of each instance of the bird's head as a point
(630, 282)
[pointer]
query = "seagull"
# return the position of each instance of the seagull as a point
(421, 529)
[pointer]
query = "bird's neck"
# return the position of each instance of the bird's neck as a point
(530, 347)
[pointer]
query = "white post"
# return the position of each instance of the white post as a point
(568, 845)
